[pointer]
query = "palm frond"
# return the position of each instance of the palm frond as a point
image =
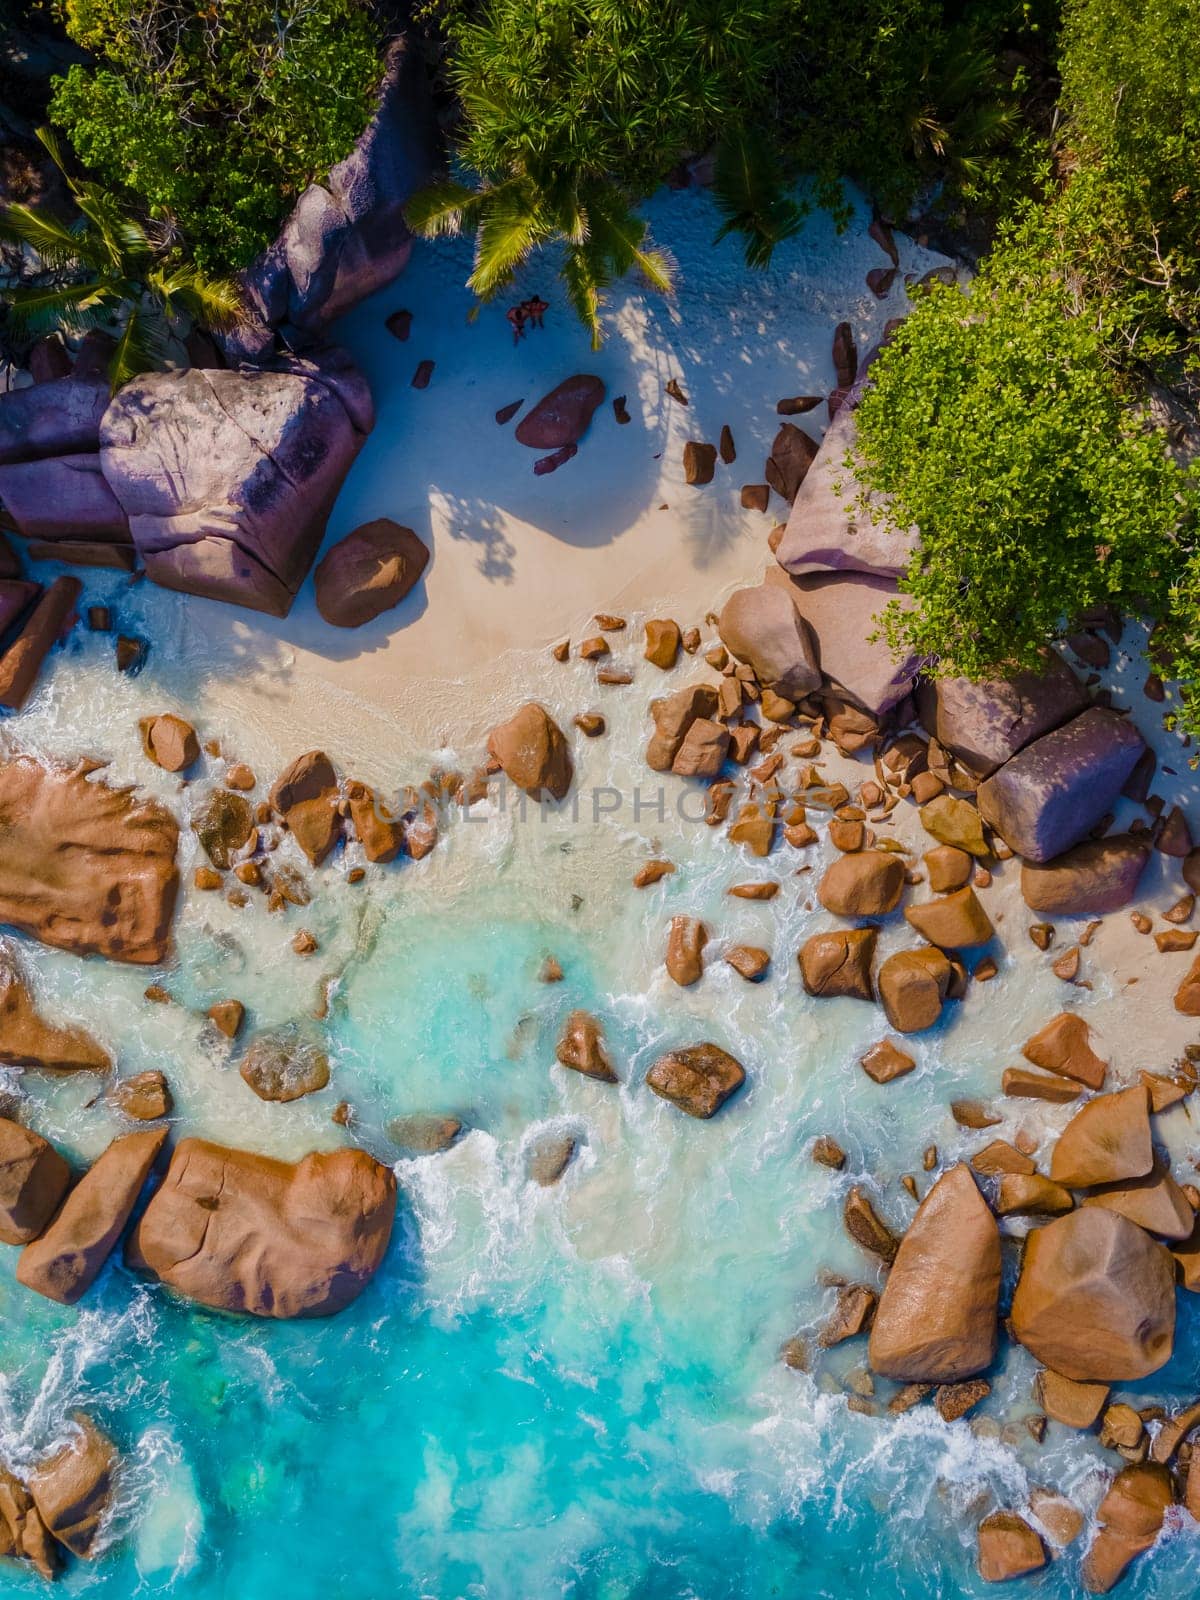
(445, 207)
(33, 311)
(123, 239)
(751, 194)
(584, 283)
(56, 243)
(509, 229)
(621, 238)
(140, 348)
(216, 303)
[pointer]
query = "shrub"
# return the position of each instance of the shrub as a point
(996, 423)
(217, 117)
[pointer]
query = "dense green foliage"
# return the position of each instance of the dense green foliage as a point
(105, 270)
(1012, 425)
(1131, 97)
(996, 425)
(572, 110)
(217, 117)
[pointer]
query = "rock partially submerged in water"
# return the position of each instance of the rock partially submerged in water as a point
(1130, 1519)
(532, 752)
(368, 572)
(85, 867)
(284, 1066)
(936, 1321)
(33, 1180)
(867, 883)
(1008, 1548)
(305, 795)
(28, 1040)
(1055, 790)
(582, 1048)
(73, 1488)
(228, 477)
(912, 986)
(839, 963)
(145, 1097)
(424, 1133)
(169, 742)
(697, 1078)
(66, 1260)
(223, 825)
(23, 1534)
(242, 1232)
(1096, 1298)
(1093, 878)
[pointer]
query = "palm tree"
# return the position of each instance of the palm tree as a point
(602, 237)
(106, 270)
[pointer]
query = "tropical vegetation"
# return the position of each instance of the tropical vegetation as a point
(105, 269)
(215, 117)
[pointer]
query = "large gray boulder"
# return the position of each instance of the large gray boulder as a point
(763, 627)
(228, 477)
(58, 418)
(828, 530)
(347, 236)
(1054, 792)
(63, 498)
(842, 609)
(984, 724)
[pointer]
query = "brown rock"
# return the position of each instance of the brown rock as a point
(241, 1232)
(379, 832)
(305, 795)
(685, 945)
(582, 1048)
(66, 1260)
(1096, 877)
(1074, 1404)
(240, 777)
(170, 742)
(1155, 1202)
(1187, 996)
(954, 1400)
(697, 1078)
(368, 572)
(955, 822)
(1029, 1194)
(749, 961)
(912, 986)
(22, 661)
(885, 1061)
(549, 1157)
(763, 627)
(827, 1152)
(792, 453)
(85, 867)
(866, 1228)
(1096, 1298)
(699, 462)
(851, 1316)
(673, 716)
(650, 872)
(1008, 1548)
(755, 496)
(767, 890)
(866, 884)
(223, 825)
(33, 1179)
(73, 1488)
(22, 1532)
(948, 867)
(663, 640)
(1106, 1141)
(227, 1016)
(1062, 1046)
(28, 1040)
(532, 752)
(936, 1321)
(145, 1097)
(1131, 1516)
(839, 963)
(1023, 1084)
(973, 1114)
(955, 922)
(206, 878)
(1121, 1428)
(422, 1134)
(284, 1065)
(703, 750)
(561, 417)
(755, 828)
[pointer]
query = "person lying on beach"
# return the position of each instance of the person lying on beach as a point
(517, 315)
(537, 308)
